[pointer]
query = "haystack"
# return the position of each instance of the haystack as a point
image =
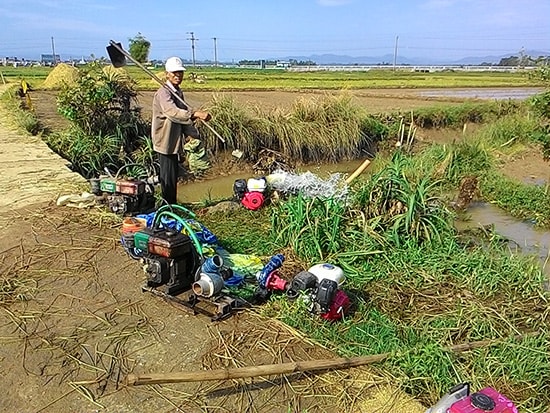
(61, 75)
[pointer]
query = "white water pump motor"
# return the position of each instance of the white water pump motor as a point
(328, 271)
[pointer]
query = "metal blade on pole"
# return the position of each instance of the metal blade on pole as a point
(118, 58)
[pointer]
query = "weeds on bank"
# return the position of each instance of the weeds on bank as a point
(417, 289)
(457, 115)
(528, 202)
(106, 130)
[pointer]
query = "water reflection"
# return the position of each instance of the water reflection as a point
(529, 239)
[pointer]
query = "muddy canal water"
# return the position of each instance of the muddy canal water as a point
(222, 187)
(523, 236)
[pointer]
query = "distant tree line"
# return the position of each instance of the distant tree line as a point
(521, 60)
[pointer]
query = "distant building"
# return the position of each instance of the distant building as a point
(283, 64)
(48, 59)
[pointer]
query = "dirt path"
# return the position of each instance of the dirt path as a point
(31, 172)
(74, 322)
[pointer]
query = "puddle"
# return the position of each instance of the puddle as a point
(222, 187)
(528, 239)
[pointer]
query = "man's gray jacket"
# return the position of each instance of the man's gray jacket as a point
(171, 121)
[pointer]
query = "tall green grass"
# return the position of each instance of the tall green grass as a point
(512, 129)
(457, 115)
(417, 294)
(528, 202)
(89, 155)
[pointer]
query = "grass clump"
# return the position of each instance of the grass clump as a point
(106, 130)
(455, 116)
(328, 129)
(88, 154)
(512, 129)
(528, 202)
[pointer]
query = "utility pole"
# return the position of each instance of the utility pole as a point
(192, 38)
(215, 51)
(53, 51)
(395, 52)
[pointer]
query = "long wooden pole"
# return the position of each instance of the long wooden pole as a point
(254, 371)
(287, 368)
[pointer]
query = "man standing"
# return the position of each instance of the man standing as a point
(172, 123)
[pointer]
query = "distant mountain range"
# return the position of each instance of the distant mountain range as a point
(333, 59)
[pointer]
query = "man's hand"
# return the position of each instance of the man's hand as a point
(204, 116)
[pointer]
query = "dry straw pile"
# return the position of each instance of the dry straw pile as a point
(61, 74)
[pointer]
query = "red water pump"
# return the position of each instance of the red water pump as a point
(459, 400)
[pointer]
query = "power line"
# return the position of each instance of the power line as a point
(53, 53)
(215, 51)
(192, 38)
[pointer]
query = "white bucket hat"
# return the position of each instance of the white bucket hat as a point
(174, 64)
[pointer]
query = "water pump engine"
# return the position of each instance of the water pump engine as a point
(459, 400)
(169, 259)
(124, 196)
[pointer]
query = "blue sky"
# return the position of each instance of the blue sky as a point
(259, 29)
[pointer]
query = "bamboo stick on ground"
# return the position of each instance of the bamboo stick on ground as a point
(287, 368)
(254, 371)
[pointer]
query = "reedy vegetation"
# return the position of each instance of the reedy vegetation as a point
(418, 287)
